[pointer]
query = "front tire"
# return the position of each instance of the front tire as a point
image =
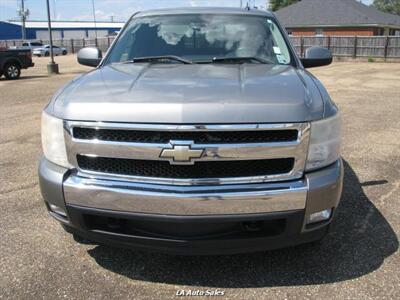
(46, 54)
(64, 52)
(12, 71)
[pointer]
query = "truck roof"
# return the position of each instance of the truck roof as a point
(204, 10)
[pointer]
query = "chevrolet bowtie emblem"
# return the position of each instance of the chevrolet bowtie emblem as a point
(181, 153)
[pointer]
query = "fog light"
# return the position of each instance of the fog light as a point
(319, 216)
(58, 210)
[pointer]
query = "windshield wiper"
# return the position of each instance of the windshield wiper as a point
(158, 58)
(241, 59)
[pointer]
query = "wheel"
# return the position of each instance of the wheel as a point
(12, 71)
(64, 52)
(46, 54)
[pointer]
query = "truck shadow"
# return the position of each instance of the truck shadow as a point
(359, 241)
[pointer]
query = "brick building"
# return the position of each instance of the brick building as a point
(337, 17)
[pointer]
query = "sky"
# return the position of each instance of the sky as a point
(119, 10)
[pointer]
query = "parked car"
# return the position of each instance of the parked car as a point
(200, 132)
(28, 45)
(45, 51)
(13, 60)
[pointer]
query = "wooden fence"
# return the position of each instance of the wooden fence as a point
(341, 46)
(351, 46)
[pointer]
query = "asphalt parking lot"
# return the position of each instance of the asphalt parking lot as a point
(359, 259)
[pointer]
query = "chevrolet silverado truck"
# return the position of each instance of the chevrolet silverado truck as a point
(13, 60)
(199, 132)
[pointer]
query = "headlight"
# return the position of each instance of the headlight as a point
(324, 142)
(53, 140)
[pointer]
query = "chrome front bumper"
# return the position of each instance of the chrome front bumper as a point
(314, 192)
(191, 219)
(185, 200)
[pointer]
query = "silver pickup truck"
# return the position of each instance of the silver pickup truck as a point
(199, 132)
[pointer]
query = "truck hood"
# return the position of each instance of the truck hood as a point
(197, 94)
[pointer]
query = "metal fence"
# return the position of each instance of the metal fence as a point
(341, 46)
(72, 45)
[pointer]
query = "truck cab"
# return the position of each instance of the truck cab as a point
(13, 60)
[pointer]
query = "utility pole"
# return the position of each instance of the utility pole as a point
(94, 19)
(23, 14)
(23, 20)
(52, 67)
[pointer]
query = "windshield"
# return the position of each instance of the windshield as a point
(201, 38)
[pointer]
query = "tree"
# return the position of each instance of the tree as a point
(389, 6)
(278, 4)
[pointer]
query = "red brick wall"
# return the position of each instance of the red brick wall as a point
(299, 32)
(335, 31)
(350, 31)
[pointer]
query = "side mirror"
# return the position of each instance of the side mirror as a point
(90, 56)
(316, 57)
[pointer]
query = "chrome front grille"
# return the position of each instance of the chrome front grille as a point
(198, 137)
(224, 154)
(201, 169)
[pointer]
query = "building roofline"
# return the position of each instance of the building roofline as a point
(61, 21)
(204, 10)
(342, 26)
(71, 24)
(338, 12)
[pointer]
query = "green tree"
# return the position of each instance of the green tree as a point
(277, 4)
(389, 6)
